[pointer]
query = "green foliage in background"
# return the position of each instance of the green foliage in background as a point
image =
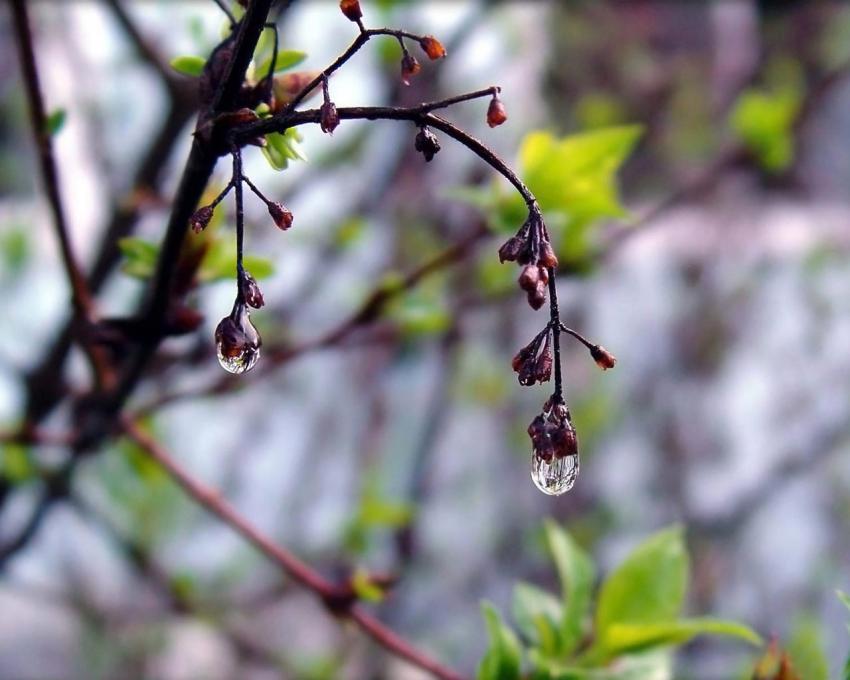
(626, 629)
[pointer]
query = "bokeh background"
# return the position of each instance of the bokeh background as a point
(723, 288)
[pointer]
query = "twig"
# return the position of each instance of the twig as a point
(80, 293)
(295, 568)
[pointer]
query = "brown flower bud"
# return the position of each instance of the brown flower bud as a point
(432, 47)
(537, 297)
(603, 358)
(543, 365)
(511, 249)
(427, 144)
(496, 114)
(351, 9)
(287, 85)
(523, 356)
(529, 278)
(281, 215)
(409, 67)
(564, 439)
(251, 291)
(547, 256)
(200, 219)
(328, 117)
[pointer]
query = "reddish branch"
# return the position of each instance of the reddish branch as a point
(337, 599)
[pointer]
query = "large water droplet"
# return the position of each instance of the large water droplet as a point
(555, 476)
(237, 342)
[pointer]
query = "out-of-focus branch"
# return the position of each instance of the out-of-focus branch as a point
(339, 601)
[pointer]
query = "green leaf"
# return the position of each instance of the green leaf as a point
(647, 588)
(624, 637)
(652, 665)
(538, 615)
(806, 649)
(576, 574)
(764, 122)
(188, 65)
(139, 257)
(576, 176)
(502, 659)
(286, 59)
(365, 588)
(54, 122)
(283, 147)
(219, 262)
(16, 464)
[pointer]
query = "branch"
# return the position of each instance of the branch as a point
(38, 118)
(295, 568)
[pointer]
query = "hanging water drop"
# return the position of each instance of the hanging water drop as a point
(556, 475)
(237, 342)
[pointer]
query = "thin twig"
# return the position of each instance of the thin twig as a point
(295, 568)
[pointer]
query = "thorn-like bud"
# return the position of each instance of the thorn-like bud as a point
(351, 9)
(281, 215)
(432, 47)
(496, 114)
(328, 117)
(427, 144)
(409, 67)
(603, 358)
(200, 219)
(251, 291)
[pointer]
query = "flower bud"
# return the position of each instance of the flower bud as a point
(529, 278)
(200, 219)
(251, 291)
(281, 215)
(547, 256)
(432, 47)
(328, 117)
(543, 366)
(511, 249)
(603, 358)
(537, 297)
(237, 341)
(496, 114)
(427, 144)
(409, 67)
(351, 9)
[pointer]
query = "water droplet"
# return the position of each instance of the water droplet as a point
(555, 476)
(237, 342)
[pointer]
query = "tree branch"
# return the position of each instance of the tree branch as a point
(295, 568)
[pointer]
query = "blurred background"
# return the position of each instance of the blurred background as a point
(712, 256)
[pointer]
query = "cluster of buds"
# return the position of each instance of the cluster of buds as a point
(533, 363)
(426, 143)
(531, 247)
(552, 433)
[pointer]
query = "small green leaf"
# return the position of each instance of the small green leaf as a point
(15, 249)
(502, 659)
(648, 587)
(366, 589)
(576, 574)
(286, 59)
(538, 615)
(764, 121)
(650, 665)
(283, 147)
(189, 65)
(806, 649)
(16, 464)
(139, 257)
(54, 122)
(626, 637)
(576, 176)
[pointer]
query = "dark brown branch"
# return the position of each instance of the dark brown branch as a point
(295, 568)
(50, 175)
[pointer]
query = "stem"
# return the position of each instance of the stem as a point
(555, 321)
(79, 289)
(256, 191)
(578, 336)
(240, 220)
(289, 563)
